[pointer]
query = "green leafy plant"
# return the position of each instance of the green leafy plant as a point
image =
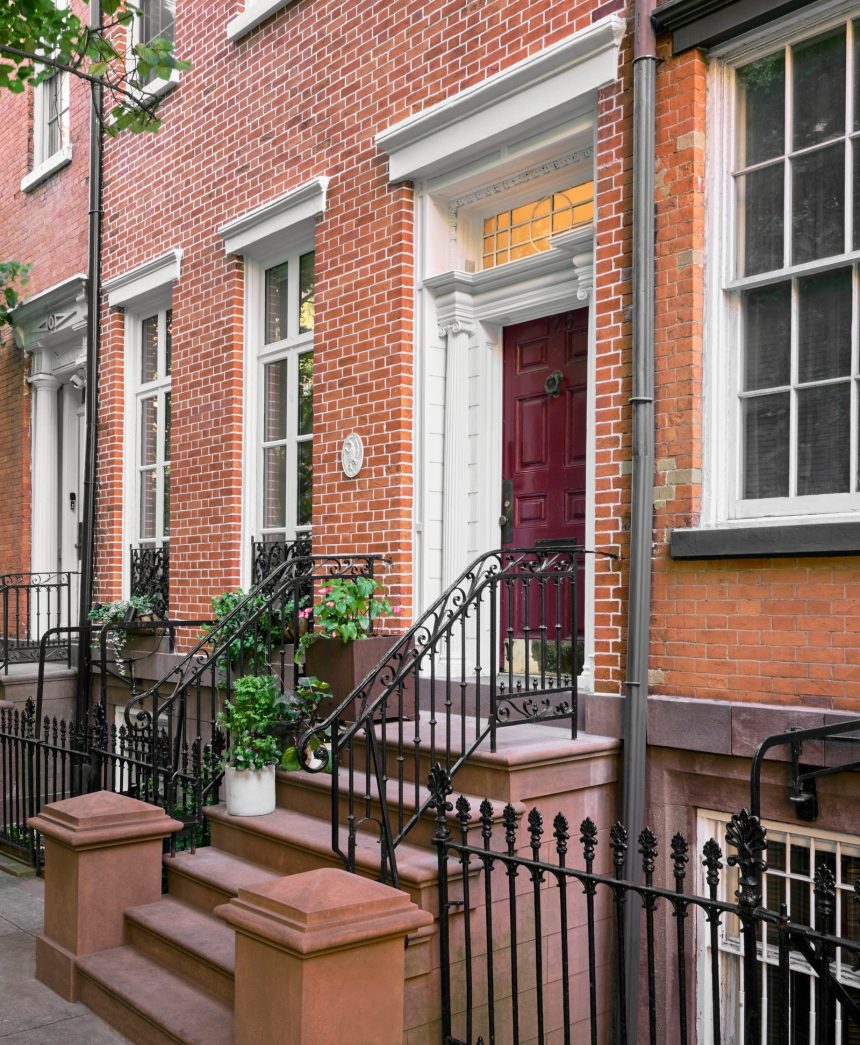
(298, 714)
(13, 278)
(346, 610)
(249, 638)
(250, 716)
(120, 613)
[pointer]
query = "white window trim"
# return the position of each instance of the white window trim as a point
(131, 289)
(50, 166)
(158, 389)
(262, 233)
(255, 13)
(722, 505)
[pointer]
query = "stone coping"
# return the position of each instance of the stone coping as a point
(101, 819)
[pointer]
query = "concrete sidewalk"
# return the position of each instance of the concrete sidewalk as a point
(30, 1013)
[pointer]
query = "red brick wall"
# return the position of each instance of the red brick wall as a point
(768, 630)
(46, 227)
(300, 97)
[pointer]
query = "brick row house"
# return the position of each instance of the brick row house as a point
(371, 284)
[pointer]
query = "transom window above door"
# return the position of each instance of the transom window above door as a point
(285, 398)
(519, 232)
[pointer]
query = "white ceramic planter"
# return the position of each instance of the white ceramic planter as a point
(250, 792)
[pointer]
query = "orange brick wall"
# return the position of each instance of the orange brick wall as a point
(46, 227)
(767, 630)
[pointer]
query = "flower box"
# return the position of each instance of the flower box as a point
(344, 665)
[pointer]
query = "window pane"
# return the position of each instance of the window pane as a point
(158, 20)
(276, 303)
(54, 104)
(855, 146)
(148, 430)
(304, 484)
(275, 401)
(148, 481)
(167, 427)
(761, 105)
(149, 349)
(819, 89)
(168, 341)
(856, 76)
(767, 337)
(818, 204)
(823, 439)
(306, 292)
(306, 393)
(824, 340)
(800, 859)
(274, 486)
(166, 527)
(760, 200)
(766, 432)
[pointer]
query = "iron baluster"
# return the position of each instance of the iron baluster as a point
(509, 819)
(439, 786)
(825, 895)
(561, 833)
(618, 844)
(713, 864)
(745, 832)
(784, 1013)
(487, 864)
(463, 814)
(648, 850)
(588, 840)
(680, 859)
(535, 821)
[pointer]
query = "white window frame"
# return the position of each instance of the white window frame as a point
(722, 503)
(158, 86)
(258, 354)
(45, 162)
(137, 392)
(712, 824)
(255, 12)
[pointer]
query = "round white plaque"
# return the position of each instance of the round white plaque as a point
(352, 455)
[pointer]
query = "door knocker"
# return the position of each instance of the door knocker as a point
(552, 385)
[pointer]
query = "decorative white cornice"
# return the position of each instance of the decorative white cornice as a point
(530, 96)
(53, 317)
(153, 277)
(579, 246)
(258, 231)
(256, 11)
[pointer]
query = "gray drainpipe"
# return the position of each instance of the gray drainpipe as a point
(87, 534)
(642, 496)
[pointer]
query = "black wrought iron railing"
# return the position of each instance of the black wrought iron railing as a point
(267, 555)
(150, 575)
(501, 647)
(545, 958)
(31, 604)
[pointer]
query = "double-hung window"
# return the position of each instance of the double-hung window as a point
(284, 363)
(152, 423)
(156, 19)
(51, 145)
(790, 286)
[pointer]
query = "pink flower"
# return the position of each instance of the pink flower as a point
(395, 610)
(330, 604)
(304, 614)
(324, 591)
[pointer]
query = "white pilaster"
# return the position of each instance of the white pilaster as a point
(458, 335)
(45, 473)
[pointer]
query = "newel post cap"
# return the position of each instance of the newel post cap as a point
(323, 910)
(102, 818)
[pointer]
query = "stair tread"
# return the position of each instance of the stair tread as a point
(190, 929)
(169, 1001)
(223, 870)
(414, 864)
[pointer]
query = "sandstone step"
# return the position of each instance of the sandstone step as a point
(149, 1004)
(288, 842)
(192, 942)
(210, 876)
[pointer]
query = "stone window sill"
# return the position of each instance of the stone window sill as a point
(255, 12)
(738, 542)
(44, 171)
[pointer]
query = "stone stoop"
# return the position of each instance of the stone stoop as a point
(58, 693)
(172, 981)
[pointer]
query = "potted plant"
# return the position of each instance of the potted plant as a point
(342, 648)
(125, 645)
(249, 639)
(250, 716)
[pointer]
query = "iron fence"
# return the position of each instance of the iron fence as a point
(267, 555)
(533, 948)
(150, 575)
(31, 604)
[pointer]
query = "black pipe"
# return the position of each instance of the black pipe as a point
(87, 536)
(642, 494)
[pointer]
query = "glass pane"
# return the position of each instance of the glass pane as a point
(167, 427)
(158, 20)
(819, 89)
(857, 75)
(276, 303)
(275, 400)
(823, 439)
(760, 199)
(801, 1009)
(149, 349)
(767, 337)
(818, 204)
(306, 292)
(850, 871)
(855, 146)
(801, 908)
(761, 109)
(800, 859)
(167, 500)
(148, 430)
(304, 486)
(306, 393)
(275, 486)
(775, 854)
(168, 341)
(53, 99)
(824, 339)
(148, 481)
(766, 429)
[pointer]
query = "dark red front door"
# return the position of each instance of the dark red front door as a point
(544, 425)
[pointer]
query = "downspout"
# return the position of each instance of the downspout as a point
(87, 535)
(642, 494)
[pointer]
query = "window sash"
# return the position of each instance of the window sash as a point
(153, 468)
(50, 117)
